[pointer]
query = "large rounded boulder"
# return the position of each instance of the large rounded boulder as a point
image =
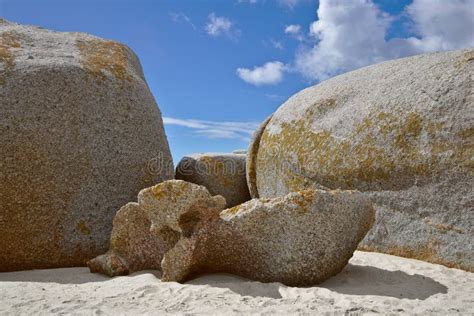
(80, 135)
(401, 131)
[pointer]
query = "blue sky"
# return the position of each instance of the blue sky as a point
(217, 68)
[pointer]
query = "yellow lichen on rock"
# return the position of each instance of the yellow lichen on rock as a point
(231, 211)
(99, 56)
(401, 132)
(161, 191)
(303, 200)
(8, 41)
(385, 146)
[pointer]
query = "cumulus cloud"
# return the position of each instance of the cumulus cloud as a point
(216, 130)
(352, 33)
(219, 25)
(269, 74)
(442, 25)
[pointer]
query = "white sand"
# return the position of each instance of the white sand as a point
(371, 283)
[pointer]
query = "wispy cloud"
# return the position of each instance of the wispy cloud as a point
(216, 130)
(268, 74)
(221, 26)
(179, 17)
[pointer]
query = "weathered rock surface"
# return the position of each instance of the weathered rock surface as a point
(300, 239)
(80, 136)
(221, 174)
(143, 232)
(178, 227)
(401, 131)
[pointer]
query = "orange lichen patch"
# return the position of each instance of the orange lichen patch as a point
(83, 228)
(426, 253)
(8, 41)
(382, 147)
(174, 191)
(100, 57)
(303, 199)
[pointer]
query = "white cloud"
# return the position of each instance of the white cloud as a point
(180, 17)
(248, 1)
(351, 33)
(219, 25)
(442, 25)
(292, 29)
(216, 130)
(268, 74)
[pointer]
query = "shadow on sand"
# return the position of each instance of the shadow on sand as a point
(62, 276)
(366, 280)
(353, 280)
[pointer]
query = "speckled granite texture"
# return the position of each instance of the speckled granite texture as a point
(400, 131)
(80, 135)
(143, 232)
(299, 240)
(178, 227)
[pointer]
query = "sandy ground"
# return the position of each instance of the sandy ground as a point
(371, 283)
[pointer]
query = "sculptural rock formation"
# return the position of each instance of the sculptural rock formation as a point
(300, 239)
(221, 174)
(143, 232)
(402, 132)
(81, 135)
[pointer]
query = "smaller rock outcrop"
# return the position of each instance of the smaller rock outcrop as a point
(143, 232)
(300, 239)
(221, 174)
